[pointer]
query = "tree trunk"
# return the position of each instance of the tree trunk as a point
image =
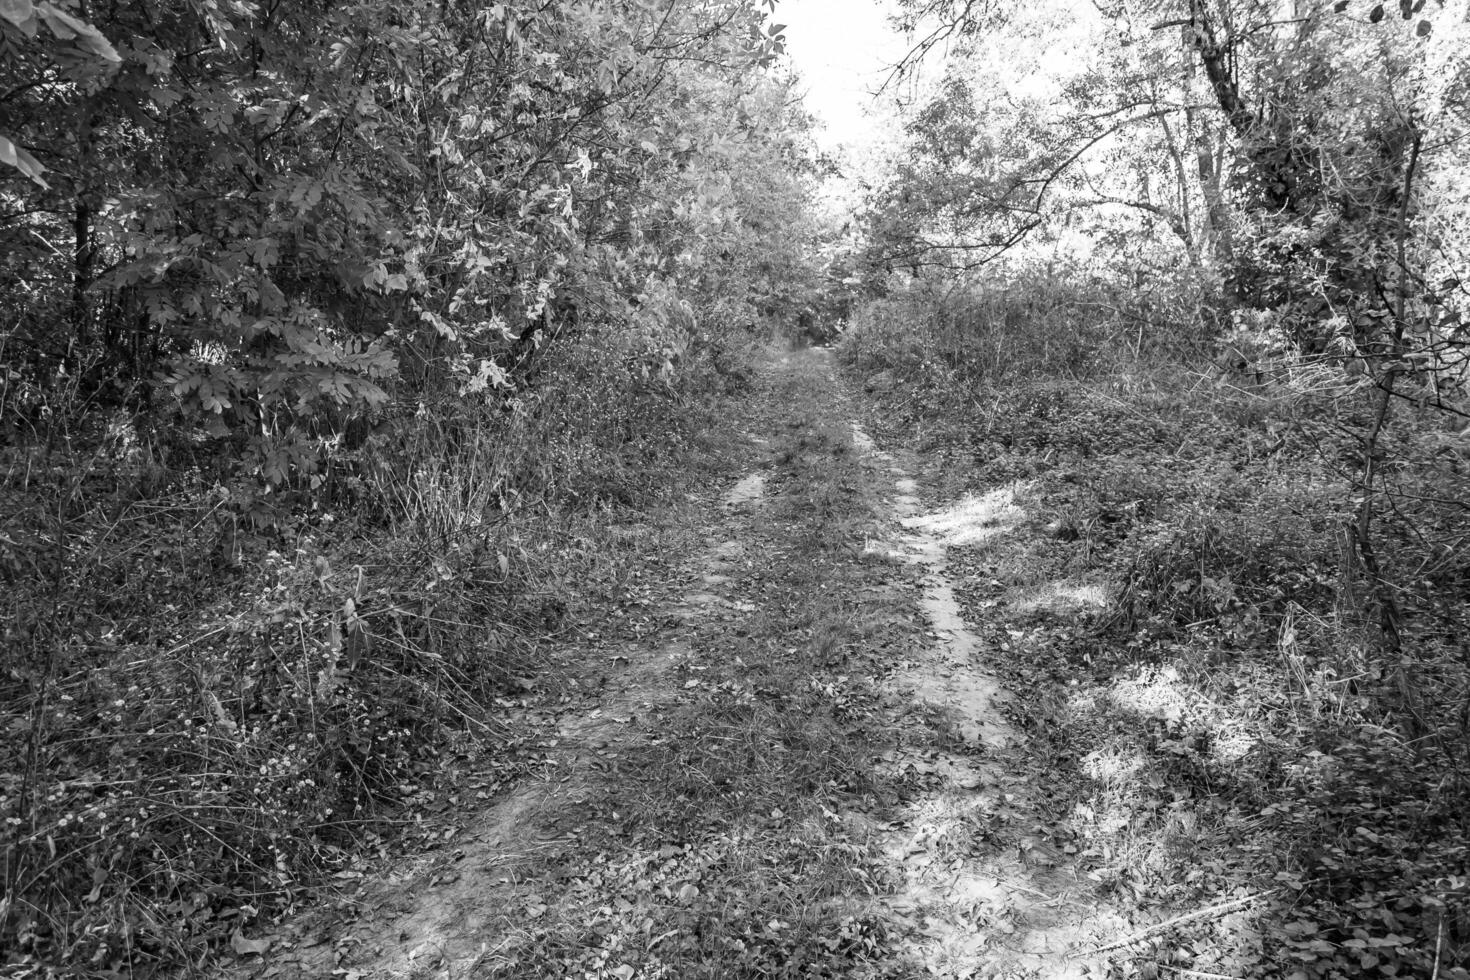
(83, 254)
(1219, 240)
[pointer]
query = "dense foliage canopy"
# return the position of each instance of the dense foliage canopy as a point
(277, 220)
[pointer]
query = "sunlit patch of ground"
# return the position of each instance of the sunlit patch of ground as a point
(969, 521)
(1059, 597)
(748, 491)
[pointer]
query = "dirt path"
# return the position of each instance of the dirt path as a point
(976, 911)
(797, 765)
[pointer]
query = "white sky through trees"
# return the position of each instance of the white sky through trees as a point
(842, 50)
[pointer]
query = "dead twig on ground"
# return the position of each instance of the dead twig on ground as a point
(1222, 908)
(1185, 971)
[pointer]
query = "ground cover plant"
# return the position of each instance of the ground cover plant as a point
(1230, 731)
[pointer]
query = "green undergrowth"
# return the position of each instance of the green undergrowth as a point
(213, 703)
(1228, 733)
(717, 847)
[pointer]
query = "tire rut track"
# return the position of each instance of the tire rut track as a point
(948, 903)
(981, 912)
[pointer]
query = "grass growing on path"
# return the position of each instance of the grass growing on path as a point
(706, 738)
(1230, 751)
(714, 847)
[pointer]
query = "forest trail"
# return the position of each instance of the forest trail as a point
(789, 759)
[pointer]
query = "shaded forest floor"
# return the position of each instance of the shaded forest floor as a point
(781, 752)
